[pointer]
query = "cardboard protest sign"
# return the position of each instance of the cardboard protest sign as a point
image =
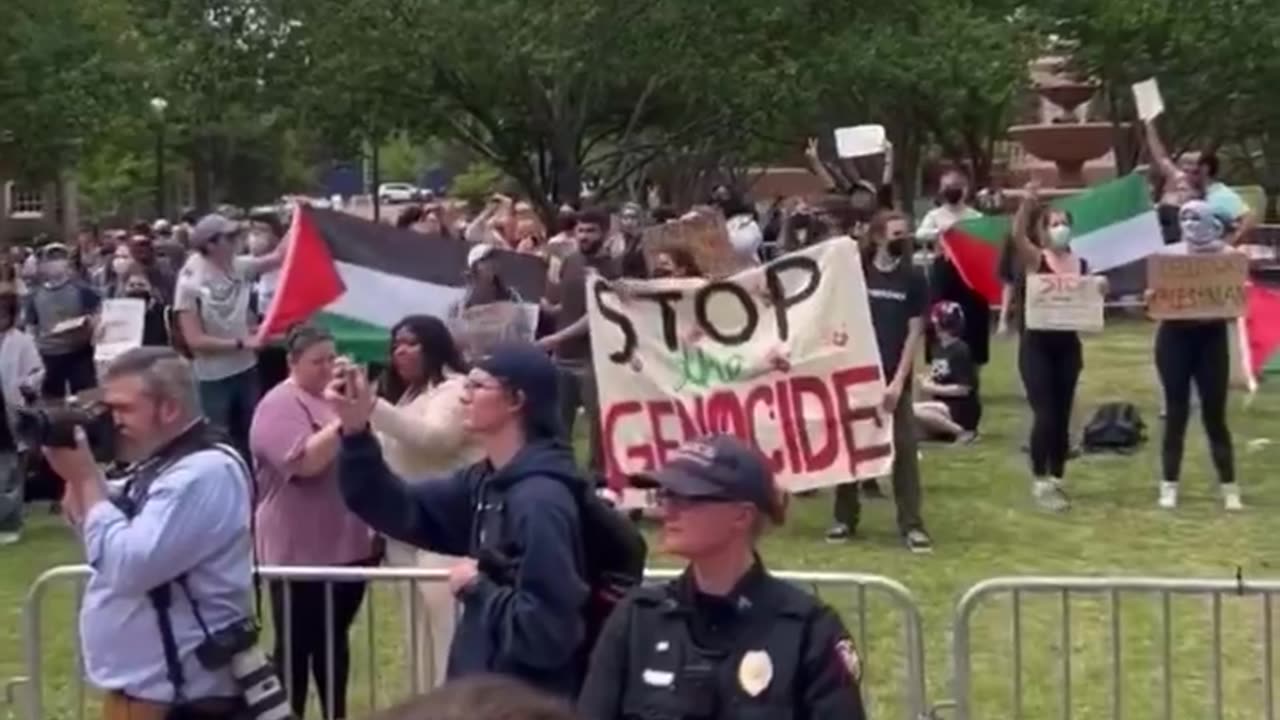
(783, 355)
(1064, 302)
(479, 329)
(1197, 287)
(860, 141)
(1146, 95)
(703, 235)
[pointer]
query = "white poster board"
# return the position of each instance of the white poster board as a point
(120, 328)
(1146, 95)
(782, 355)
(860, 140)
(1064, 302)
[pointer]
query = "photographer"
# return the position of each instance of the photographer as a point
(171, 554)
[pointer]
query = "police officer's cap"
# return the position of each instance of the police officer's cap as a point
(718, 468)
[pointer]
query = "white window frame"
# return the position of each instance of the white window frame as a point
(24, 203)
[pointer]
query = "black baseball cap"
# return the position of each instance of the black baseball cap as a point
(718, 467)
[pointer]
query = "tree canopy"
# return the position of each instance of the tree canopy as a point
(558, 94)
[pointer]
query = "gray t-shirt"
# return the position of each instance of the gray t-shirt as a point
(49, 305)
(221, 301)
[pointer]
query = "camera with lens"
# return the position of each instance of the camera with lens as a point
(54, 425)
(236, 646)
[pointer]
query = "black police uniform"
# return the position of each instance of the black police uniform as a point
(768, 650)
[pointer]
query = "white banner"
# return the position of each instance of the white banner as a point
(782, 355)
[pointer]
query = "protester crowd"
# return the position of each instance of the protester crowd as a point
(427, 461)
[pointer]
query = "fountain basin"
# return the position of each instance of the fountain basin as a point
(1066, 94)
(1067, 145)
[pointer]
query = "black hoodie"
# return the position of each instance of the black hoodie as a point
(528, 624)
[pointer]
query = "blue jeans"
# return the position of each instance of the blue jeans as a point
(229, 404)
(11, 480)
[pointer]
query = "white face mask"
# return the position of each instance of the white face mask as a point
(120, 265)
(1060, 236)
(259, 243)
(56, 269)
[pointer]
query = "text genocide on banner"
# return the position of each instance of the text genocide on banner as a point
(1064, 302)
(783, 355)
(1197, 287)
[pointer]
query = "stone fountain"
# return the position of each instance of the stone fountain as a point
(1064, 136)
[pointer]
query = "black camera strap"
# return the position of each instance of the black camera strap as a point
(161, 597)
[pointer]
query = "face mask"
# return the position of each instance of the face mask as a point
(138, 294)
(896, 247)
(1200, 229)
(661, 273)
(952, 195)
(1060, 236)
(120, 265)
(57, 269)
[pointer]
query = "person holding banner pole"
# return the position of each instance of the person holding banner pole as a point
(1195, 352)
(571, 342)
(898, 297)
(1050, 361)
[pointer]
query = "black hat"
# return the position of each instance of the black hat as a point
(718, 467)
(524, 367)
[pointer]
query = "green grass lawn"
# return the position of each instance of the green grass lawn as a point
(978, 511)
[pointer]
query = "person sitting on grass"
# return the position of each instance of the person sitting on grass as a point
(952, 412)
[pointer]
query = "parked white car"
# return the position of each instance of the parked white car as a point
(391, 193)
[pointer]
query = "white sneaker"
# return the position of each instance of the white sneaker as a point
(1050, 496)
(1231, 498)
(1168, 495)
(9, 538)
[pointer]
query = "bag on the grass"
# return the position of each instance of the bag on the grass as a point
(1115, 427)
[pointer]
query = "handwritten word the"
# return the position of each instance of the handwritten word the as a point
(701, 370)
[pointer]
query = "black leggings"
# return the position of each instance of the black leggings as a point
(307, 649)
(1050, 366)
(1188, 352)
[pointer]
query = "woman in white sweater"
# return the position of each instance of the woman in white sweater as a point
(418, 422)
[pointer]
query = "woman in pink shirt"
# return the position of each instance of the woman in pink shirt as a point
(301, 520)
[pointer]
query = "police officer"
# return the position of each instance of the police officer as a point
(726, 639)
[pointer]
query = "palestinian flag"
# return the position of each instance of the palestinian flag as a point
(359, 278)
(1113, 224)
(1260, 332)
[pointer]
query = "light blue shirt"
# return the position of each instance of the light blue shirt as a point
(195, 520)
(1225, 203)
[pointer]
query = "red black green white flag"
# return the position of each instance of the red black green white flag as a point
(1113, 224)
(359, 278)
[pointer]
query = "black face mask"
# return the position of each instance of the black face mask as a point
(661, 273)
(897, 247)
(139, 294)
(953, 195)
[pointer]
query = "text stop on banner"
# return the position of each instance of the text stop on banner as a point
(782, 355)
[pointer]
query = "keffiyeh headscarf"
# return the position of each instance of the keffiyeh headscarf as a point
(1201, 229)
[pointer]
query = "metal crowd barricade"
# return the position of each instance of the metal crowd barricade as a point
(1156, 701)
(28, 693)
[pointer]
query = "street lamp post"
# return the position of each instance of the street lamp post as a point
(158, 107)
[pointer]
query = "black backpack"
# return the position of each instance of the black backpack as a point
(613, 553)
(1115, 427)
(613, 556)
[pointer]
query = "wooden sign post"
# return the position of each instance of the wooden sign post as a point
(1064, 302)
(1197, 287)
